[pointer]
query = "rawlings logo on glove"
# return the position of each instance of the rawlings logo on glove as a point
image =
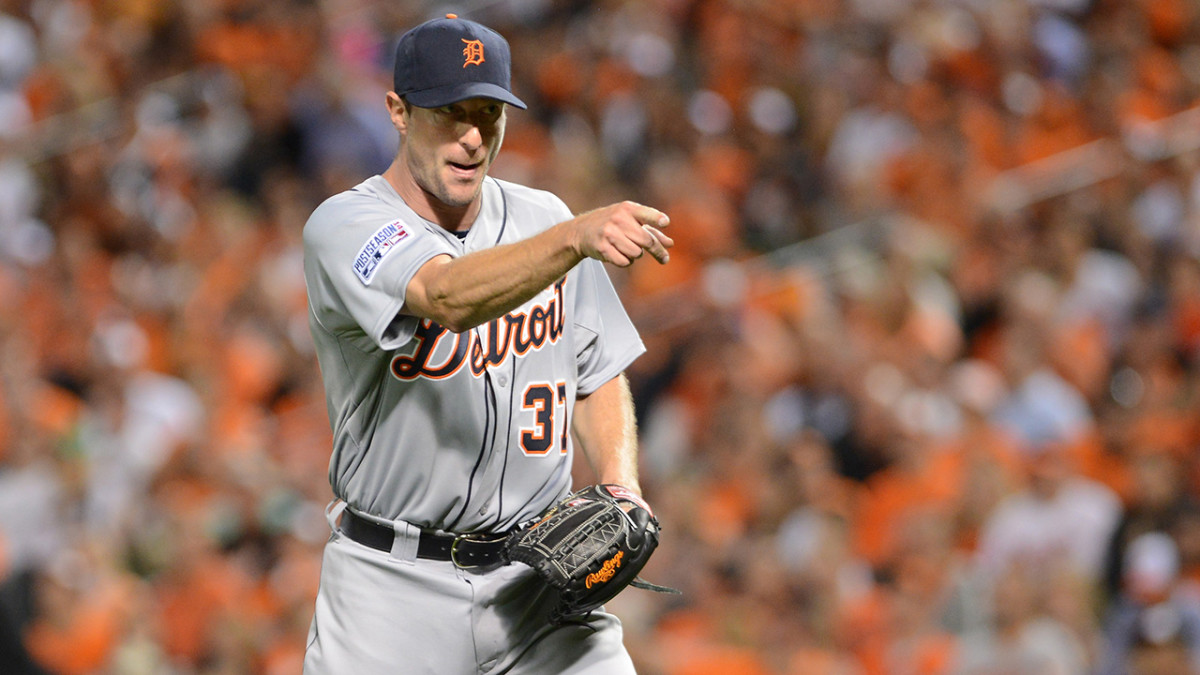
(606, 572)
(589, 547)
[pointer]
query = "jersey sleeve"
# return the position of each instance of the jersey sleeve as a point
(358, 267)
(606, 341)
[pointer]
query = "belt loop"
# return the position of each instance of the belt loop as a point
(404, 546)
(332, 510)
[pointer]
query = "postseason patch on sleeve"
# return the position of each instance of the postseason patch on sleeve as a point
(384, 241)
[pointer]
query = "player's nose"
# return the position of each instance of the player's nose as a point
(471, 138)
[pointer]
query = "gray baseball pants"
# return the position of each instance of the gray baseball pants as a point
(379, 613)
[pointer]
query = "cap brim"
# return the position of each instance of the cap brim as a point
(440, 96)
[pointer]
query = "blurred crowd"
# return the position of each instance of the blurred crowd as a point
(923, 378)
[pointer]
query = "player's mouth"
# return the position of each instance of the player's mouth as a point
(465, 171)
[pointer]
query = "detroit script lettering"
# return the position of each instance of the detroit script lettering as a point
(515, 332)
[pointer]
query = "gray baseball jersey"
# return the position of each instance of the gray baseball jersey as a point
(461, 432)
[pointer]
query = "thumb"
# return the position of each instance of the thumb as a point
(641, 521)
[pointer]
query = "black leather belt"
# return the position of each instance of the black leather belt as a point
(464, 550)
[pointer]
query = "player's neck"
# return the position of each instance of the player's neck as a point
(428, 206)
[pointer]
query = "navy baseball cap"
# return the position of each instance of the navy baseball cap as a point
(444, 61)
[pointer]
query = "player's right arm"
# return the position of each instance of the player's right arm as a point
(461, 293)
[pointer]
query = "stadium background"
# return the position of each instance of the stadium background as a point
(922, 386)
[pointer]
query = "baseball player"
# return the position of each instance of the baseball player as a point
(469, 340)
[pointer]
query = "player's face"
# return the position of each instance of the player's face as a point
(450, 149)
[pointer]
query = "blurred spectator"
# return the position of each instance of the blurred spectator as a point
(1154, 627)
(1061, 518)
(1021, 637)
(1157, 504)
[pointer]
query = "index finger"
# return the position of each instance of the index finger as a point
(647, 215)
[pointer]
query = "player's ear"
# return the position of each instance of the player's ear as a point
(398, 110)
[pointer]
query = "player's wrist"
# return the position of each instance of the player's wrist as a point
(630, 484)
(572, 239)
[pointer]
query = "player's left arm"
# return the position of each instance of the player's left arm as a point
(605, 428)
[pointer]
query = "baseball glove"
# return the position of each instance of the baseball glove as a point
(589, 548)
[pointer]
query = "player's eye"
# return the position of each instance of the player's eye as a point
(490, 113)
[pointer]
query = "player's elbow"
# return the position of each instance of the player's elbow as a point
(455, 322)
(440, 304)
(434, 294)
(441, 309)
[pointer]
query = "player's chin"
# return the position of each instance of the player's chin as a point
(461, 192)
